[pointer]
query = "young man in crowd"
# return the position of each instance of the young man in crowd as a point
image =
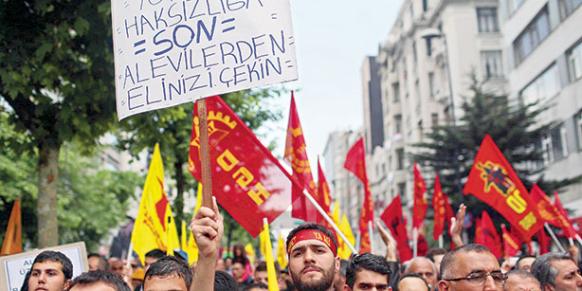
(98, 281)
(520, 280)
(367, 272)
(51, 271)
(152, 257)
(313, 260)
(412, 282)
(340, 277)
(557, 272)
(96, 262)
(524, 263)
(425, 268)
(168, 274)
(471, 267)
(239, 272)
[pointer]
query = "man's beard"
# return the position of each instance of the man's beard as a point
(322, 284)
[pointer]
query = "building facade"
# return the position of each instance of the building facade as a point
(543, 53)
(425, 67)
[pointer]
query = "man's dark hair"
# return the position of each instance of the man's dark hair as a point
(58, 257)
(521, 258)
(110, 279)
(241, 260)
(414, 275)
(369, 262)
(543, 270)
(313, 226)
(262, 267)
(449, 257)
(435, 252)
(155, 253)
(167, 266)
(223, 281)
(522, 275)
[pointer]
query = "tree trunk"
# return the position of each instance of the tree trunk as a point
(46, 205)
(179, 202)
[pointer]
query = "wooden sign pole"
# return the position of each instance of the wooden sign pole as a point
(205, 155)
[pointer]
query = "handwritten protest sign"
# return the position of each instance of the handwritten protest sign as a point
(13, 268)
(169, 52)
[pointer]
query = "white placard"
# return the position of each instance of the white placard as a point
(13, 268)
(169, 52)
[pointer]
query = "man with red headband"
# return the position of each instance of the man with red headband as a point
(313, 259)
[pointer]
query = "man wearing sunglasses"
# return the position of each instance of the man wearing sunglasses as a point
(471, 267)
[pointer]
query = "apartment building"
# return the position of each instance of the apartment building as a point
(543, 53)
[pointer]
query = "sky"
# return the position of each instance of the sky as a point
(332, 39)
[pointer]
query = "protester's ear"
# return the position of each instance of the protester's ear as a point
(67, 284)
(443, 285)
(337, 264)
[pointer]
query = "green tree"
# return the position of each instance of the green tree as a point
(57, 78)
(171, 128)
(450, 149)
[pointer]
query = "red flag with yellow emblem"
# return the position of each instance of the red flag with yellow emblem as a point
(546, 210)
(247, 180)
(565, 223)
(493, 181)
(394, 220)
(511, 244)
(420, 201)
(442, 209)
(356, 163)
(323, 190)
(296, 155)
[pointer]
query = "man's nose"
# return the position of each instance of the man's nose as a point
(490, 284)
(578, 280)
(308, 256)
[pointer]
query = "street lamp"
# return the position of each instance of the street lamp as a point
(429, 34)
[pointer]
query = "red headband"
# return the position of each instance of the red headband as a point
(313, 234)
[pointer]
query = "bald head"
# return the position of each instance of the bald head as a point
(425, 268)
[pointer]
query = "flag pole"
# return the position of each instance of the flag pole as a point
(579, 239)
(129, 250)
(571, 241)
(329, 220)
(204, 154)
(554, 238)
(371, 236)
(440, 241)
(415, 241)
(168, 251)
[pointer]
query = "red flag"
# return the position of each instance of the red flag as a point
(323, 190)
(544, 241)
(442, 209)
(511, 244)
(490, 236)
(296, 155)
(494, 182)
(420, 201)
(394, 220)
(479, 239)
(565, 223)
(246, 179)
(356, 163)
(546, 210)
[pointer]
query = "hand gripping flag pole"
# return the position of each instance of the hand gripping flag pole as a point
(329, 220)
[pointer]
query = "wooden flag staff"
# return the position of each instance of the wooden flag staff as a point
(204, 154)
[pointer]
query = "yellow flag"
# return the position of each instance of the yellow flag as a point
(191, 248)
(281, 252)
(12, 243)
(265, 238)
(154, 226)
(346, 229)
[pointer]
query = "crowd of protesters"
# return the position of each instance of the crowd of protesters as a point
(313, 265)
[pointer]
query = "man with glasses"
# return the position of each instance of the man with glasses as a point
(557, 272)
(471, 267)
(367, 272)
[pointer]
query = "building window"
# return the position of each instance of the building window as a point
(396, 92)
(435, 119)
(491, 64)
(543, 87)
(431, 89)
(513, 5)
(428, 41)
(402, 191)
(398, 123)
(399, 159)
(579, 129)
(574, 57)
(568, 6)
(531, 36)
(487, 19)
(555, 144)
(424, 5)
